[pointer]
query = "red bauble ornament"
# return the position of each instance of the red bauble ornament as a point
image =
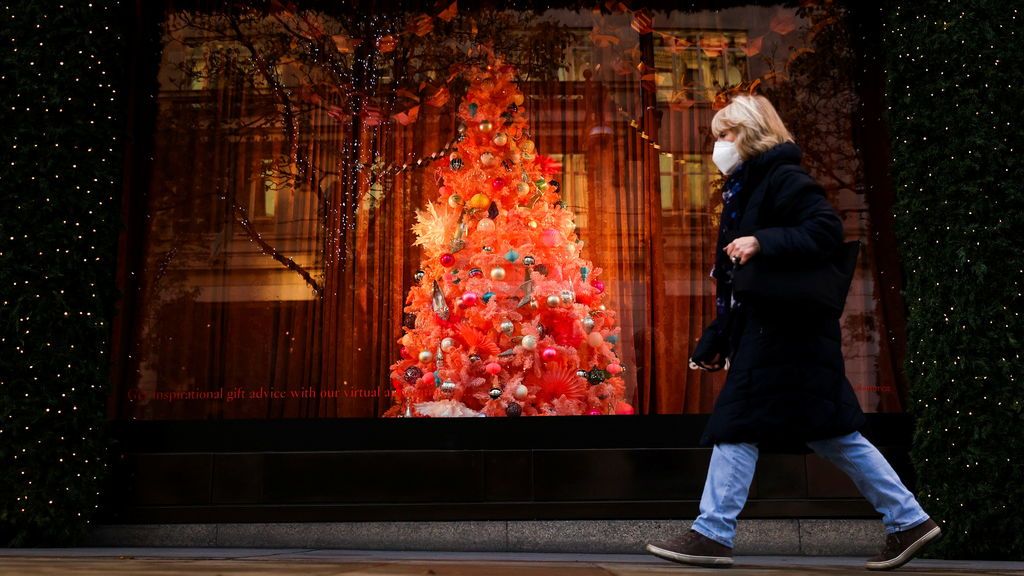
(623, 409)
(614, 368)
(447, 260)
(598, 285)
(550, 237)
(549, 354)
(427, 379)
(470, 299)
(492, 368)
(498, 183)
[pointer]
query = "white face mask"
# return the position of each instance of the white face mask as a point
(726, 157)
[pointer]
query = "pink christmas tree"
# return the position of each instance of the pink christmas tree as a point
(509, 315)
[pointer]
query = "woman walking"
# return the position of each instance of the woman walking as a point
(786, 379)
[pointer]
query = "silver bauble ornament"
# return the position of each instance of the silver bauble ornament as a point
(447, 344)
(588, 323)
(497, 273)
(474, 357)
(455, 160)
(507, 326)
(495, 393)
(426, 356)
(529, 260)
(521, 392)
(553, 301)
(529, 342)
(419, 275)
(567, 296)
(448, 387)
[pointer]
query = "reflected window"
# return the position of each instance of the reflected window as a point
(292, 150)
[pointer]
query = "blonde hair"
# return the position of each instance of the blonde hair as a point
(757, 125)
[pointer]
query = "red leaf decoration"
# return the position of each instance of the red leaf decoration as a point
(642, 22)
(449, 13)
(407, 117)
(556, 382)
(783, 22)
(753, 46)
(547, 165)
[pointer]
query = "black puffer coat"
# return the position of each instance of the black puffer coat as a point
(787, 383)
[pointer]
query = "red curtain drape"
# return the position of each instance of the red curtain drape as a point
(276, 230)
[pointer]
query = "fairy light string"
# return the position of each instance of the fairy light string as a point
(953, 86)
(60, 68)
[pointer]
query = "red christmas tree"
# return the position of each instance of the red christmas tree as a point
(509, 315)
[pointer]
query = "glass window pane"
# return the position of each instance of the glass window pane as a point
(292, 153)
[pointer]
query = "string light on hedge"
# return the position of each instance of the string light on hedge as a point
(978, 241)
(54, 77)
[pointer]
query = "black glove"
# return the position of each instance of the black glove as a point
(712, 348)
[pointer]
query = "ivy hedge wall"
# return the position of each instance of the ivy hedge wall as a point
(955, 72)
(955, 77)
(61, 119)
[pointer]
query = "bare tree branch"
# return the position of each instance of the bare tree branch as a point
(242, 217)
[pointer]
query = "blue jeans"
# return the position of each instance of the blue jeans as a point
(732, 469)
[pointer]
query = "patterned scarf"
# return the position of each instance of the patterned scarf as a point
(733, 201)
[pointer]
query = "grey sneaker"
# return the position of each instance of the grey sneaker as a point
(901, 547)
(693, 548)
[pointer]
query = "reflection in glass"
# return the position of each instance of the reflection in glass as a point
(292, 147)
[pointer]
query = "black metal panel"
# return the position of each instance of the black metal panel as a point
(652, 474)
(374, 434)
(170, 479)
(780, 476)
(666, 510)
(237, 478)
(508, 476)
(409, 434)
(373, 477)
(826, 481)
(341, 470)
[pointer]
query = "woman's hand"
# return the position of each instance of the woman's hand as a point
(742, 249)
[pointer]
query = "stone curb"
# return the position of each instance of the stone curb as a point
(754, 537)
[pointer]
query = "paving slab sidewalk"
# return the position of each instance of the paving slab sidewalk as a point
(330, 562)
